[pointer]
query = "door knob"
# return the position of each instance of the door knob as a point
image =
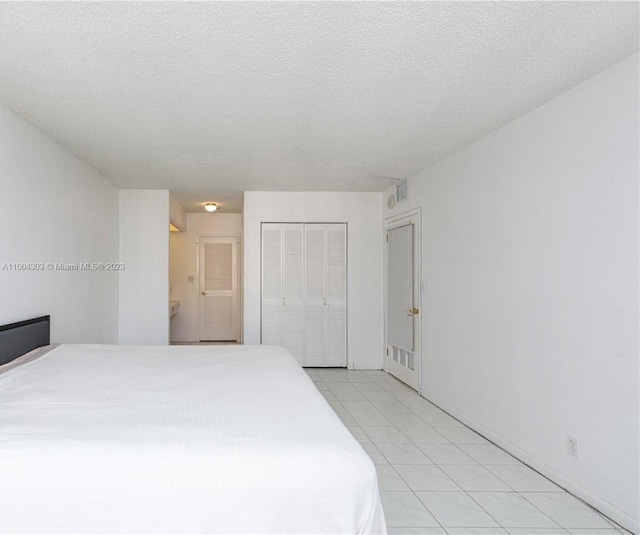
(204, 293)
(413, 312)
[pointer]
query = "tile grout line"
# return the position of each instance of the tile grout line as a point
(410, 491)
(395, 391)
(433, 463)
(455, 483)
(613, 524)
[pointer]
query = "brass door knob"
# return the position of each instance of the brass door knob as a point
(204, 293)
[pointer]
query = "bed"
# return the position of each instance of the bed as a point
(188, 439)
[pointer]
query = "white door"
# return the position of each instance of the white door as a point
(336, 295)
(219, 299)
(271, 284)
(403, 298)
(325, 298)
(304, 291)
(315, 303)
(292, 290)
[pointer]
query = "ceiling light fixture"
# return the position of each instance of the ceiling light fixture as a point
(211, 207)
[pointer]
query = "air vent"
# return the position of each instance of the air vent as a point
(401, 191)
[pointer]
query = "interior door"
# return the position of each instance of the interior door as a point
(403, 298)
(336, 292)
(271, 284)
(292, 290)
(314, 304)
(219, 299)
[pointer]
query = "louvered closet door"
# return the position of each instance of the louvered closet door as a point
(336, 294)
(271, 284)
(293, 294)
(314, 307)
(304, 291)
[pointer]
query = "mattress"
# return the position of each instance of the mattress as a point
(188, 439)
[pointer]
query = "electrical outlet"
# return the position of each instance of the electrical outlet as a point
(572, 446)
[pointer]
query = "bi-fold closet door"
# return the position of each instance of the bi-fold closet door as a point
(304, 291)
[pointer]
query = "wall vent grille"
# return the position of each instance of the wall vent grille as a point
(401, 191)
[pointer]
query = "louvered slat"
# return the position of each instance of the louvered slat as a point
(292, 261)
(336, 261)
(220, 314)
(304, 291)
(292, 329)
(218, 266)
(336, 288)
(315, 330)
(271, 261)
(271, 284)
(293, 281)
(336, 335)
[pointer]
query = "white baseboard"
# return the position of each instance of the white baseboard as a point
(604, 507)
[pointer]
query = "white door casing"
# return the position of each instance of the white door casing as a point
(219, 318)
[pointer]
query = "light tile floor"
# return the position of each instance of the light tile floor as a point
(437, 476)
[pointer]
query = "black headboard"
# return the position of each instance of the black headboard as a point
(19, 338)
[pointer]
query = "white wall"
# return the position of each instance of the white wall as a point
(177, 214)
(54, 208)
(363, 214)
(215, 224)
(184, 254)
(144, 283)
(183, 263)
(530, 260)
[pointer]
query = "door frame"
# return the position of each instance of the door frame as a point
(239, 283)
(390, 223)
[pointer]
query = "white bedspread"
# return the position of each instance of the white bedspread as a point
(215, 439)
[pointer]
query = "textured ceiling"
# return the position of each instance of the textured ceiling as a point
(211, 99)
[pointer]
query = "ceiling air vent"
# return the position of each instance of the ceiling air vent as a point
(401, 191)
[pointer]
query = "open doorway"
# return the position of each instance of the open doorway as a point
(207, 259)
